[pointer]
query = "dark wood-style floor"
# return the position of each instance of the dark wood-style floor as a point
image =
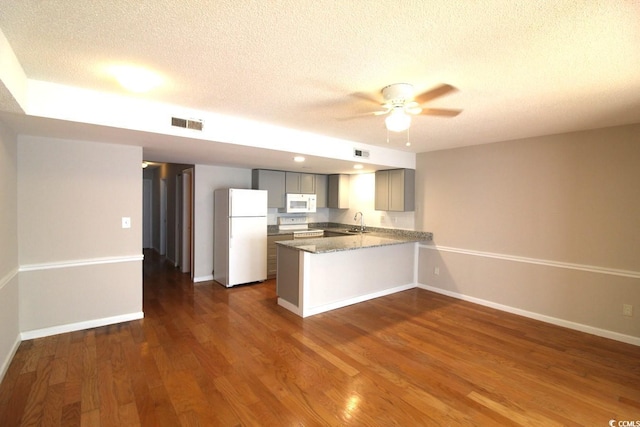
(209, 356)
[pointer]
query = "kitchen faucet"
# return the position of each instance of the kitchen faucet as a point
(355, 218)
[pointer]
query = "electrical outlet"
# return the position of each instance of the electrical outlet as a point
(436, 271)
(126, 222)
(627, 310)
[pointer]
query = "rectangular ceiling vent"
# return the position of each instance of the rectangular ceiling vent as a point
(187, 123)
(361, 154)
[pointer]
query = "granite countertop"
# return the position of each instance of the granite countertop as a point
(275, 232)
(352, 241)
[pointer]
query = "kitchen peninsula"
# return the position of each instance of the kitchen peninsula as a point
(318, 275)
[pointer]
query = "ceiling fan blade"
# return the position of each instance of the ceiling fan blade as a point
(434, 93)
(440, 112)
(367, 97)
(361, 115)
(413, 109)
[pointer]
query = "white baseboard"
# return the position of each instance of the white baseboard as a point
(306, 312)
(71, 327)
(629, 339)
(9, 357)
(291, 307)
(203, 278)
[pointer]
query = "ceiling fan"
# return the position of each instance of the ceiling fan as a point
(400, 103)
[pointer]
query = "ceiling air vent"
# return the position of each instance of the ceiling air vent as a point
(361, 154)
(187, 123)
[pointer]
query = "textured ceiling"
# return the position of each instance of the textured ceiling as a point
(522, 68)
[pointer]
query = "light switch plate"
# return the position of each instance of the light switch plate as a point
(126, 222)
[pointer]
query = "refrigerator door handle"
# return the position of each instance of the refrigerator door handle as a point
(230, 231)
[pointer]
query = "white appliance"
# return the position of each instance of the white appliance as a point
(299, 227)
(240, 236)
(300, 203)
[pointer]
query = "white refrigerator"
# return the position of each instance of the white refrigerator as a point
(240, 236)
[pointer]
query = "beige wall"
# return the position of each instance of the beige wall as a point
(9, 316)
(72, 196)
(77, 264)
(206, 180)
(547, 225)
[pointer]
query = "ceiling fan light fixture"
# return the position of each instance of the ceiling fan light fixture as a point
(398, 120)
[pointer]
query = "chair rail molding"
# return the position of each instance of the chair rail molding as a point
(537, 261)
(80, 262)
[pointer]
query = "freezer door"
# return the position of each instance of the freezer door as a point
(247, 202)
(247, 250)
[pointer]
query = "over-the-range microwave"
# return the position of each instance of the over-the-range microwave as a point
(299, 203)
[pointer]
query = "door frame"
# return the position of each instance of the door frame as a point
(147, 213)
(186, 232)
(163, 216)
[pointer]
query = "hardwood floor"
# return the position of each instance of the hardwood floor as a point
(209, 356)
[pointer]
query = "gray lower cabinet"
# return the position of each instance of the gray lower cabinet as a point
(273, 182)
(272, 251)
(338, 197)
(395, 190)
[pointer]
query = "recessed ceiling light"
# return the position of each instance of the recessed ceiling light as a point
(298, 159)
(135, 79)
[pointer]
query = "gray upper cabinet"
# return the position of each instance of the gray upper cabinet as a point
(303, 183)
(273, 182)
(322, 184)
(382, 191)
(338, 197)
(395, 190)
